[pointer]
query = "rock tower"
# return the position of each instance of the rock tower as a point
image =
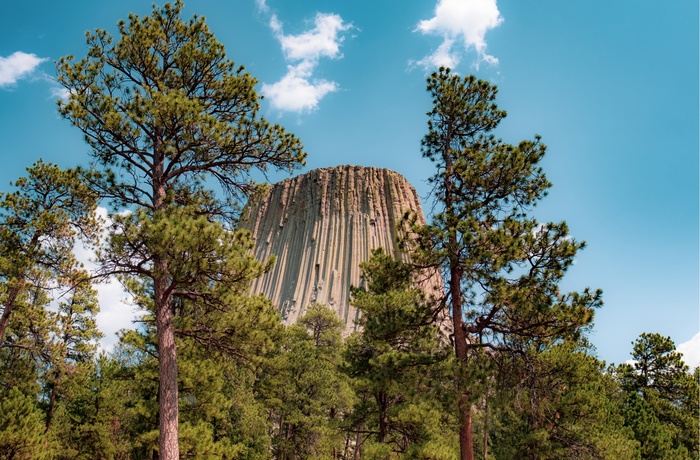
(320, 226)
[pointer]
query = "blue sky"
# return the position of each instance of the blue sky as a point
(612, 87)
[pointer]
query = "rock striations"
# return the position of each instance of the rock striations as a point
(320, 226)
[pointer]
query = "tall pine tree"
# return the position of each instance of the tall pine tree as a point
(501, 267)
(165, 112)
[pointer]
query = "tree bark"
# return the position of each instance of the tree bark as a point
(49, 414)
(456, 269)
(167, 368)
(49, 410)
(168, 442)
(486, 424)
(358, 443)
(466, 443)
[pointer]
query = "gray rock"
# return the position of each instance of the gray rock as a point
(320, 226)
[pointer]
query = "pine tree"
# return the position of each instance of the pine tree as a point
(662, 399)
(501, 267)
(164, 111)
(21, 427)
(72, 342)
(306, 392)
(396, 362)
(558, 403)
(40, 223)
(90, 415)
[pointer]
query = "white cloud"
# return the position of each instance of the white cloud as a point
(20, 65)
(295, 92)
(262, 6)
(116, 312)
(298, 91)
(60, 92)
(322, 41)
(16, 66)
(460, 21)
(691, 351)
(441, 57)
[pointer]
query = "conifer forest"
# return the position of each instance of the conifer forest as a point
(495, 365)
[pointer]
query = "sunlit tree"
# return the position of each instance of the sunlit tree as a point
(501, 267)
(167, 117)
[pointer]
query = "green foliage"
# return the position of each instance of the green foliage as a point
(209, 270)
(69, 352)
(305, 390)
(662, 399)
(42, 218)
(21, 427)
(655, 438)
(559, 404)
(166, 115)
(40, 223)
(506, 265)
(45, 352)
(221, 417)
(21, 356)
(501, 267)
(657, 367)
(220, 414)
(164, 112)
(165, 102)
(395, 362)
(75, 327)
(89, 419)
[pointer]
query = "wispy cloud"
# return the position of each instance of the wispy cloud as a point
(262, 6)
(460, 22)
(691, 351)
(298, 90)
(16, 66)
(59, 92)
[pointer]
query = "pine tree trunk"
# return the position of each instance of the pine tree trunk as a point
(358, 443)
(466, 441)
(49, 409)
(168, 443)
(167, 367)
(486, 424)
(49, 414)
(466, 444)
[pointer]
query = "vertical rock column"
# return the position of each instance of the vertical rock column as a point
(321, 225)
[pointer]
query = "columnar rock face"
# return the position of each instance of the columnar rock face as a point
(320, 226)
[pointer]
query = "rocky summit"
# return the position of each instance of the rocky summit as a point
(321, 225)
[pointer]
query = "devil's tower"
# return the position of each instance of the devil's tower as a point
(320, 226)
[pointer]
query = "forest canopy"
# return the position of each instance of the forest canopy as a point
(497, 366)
